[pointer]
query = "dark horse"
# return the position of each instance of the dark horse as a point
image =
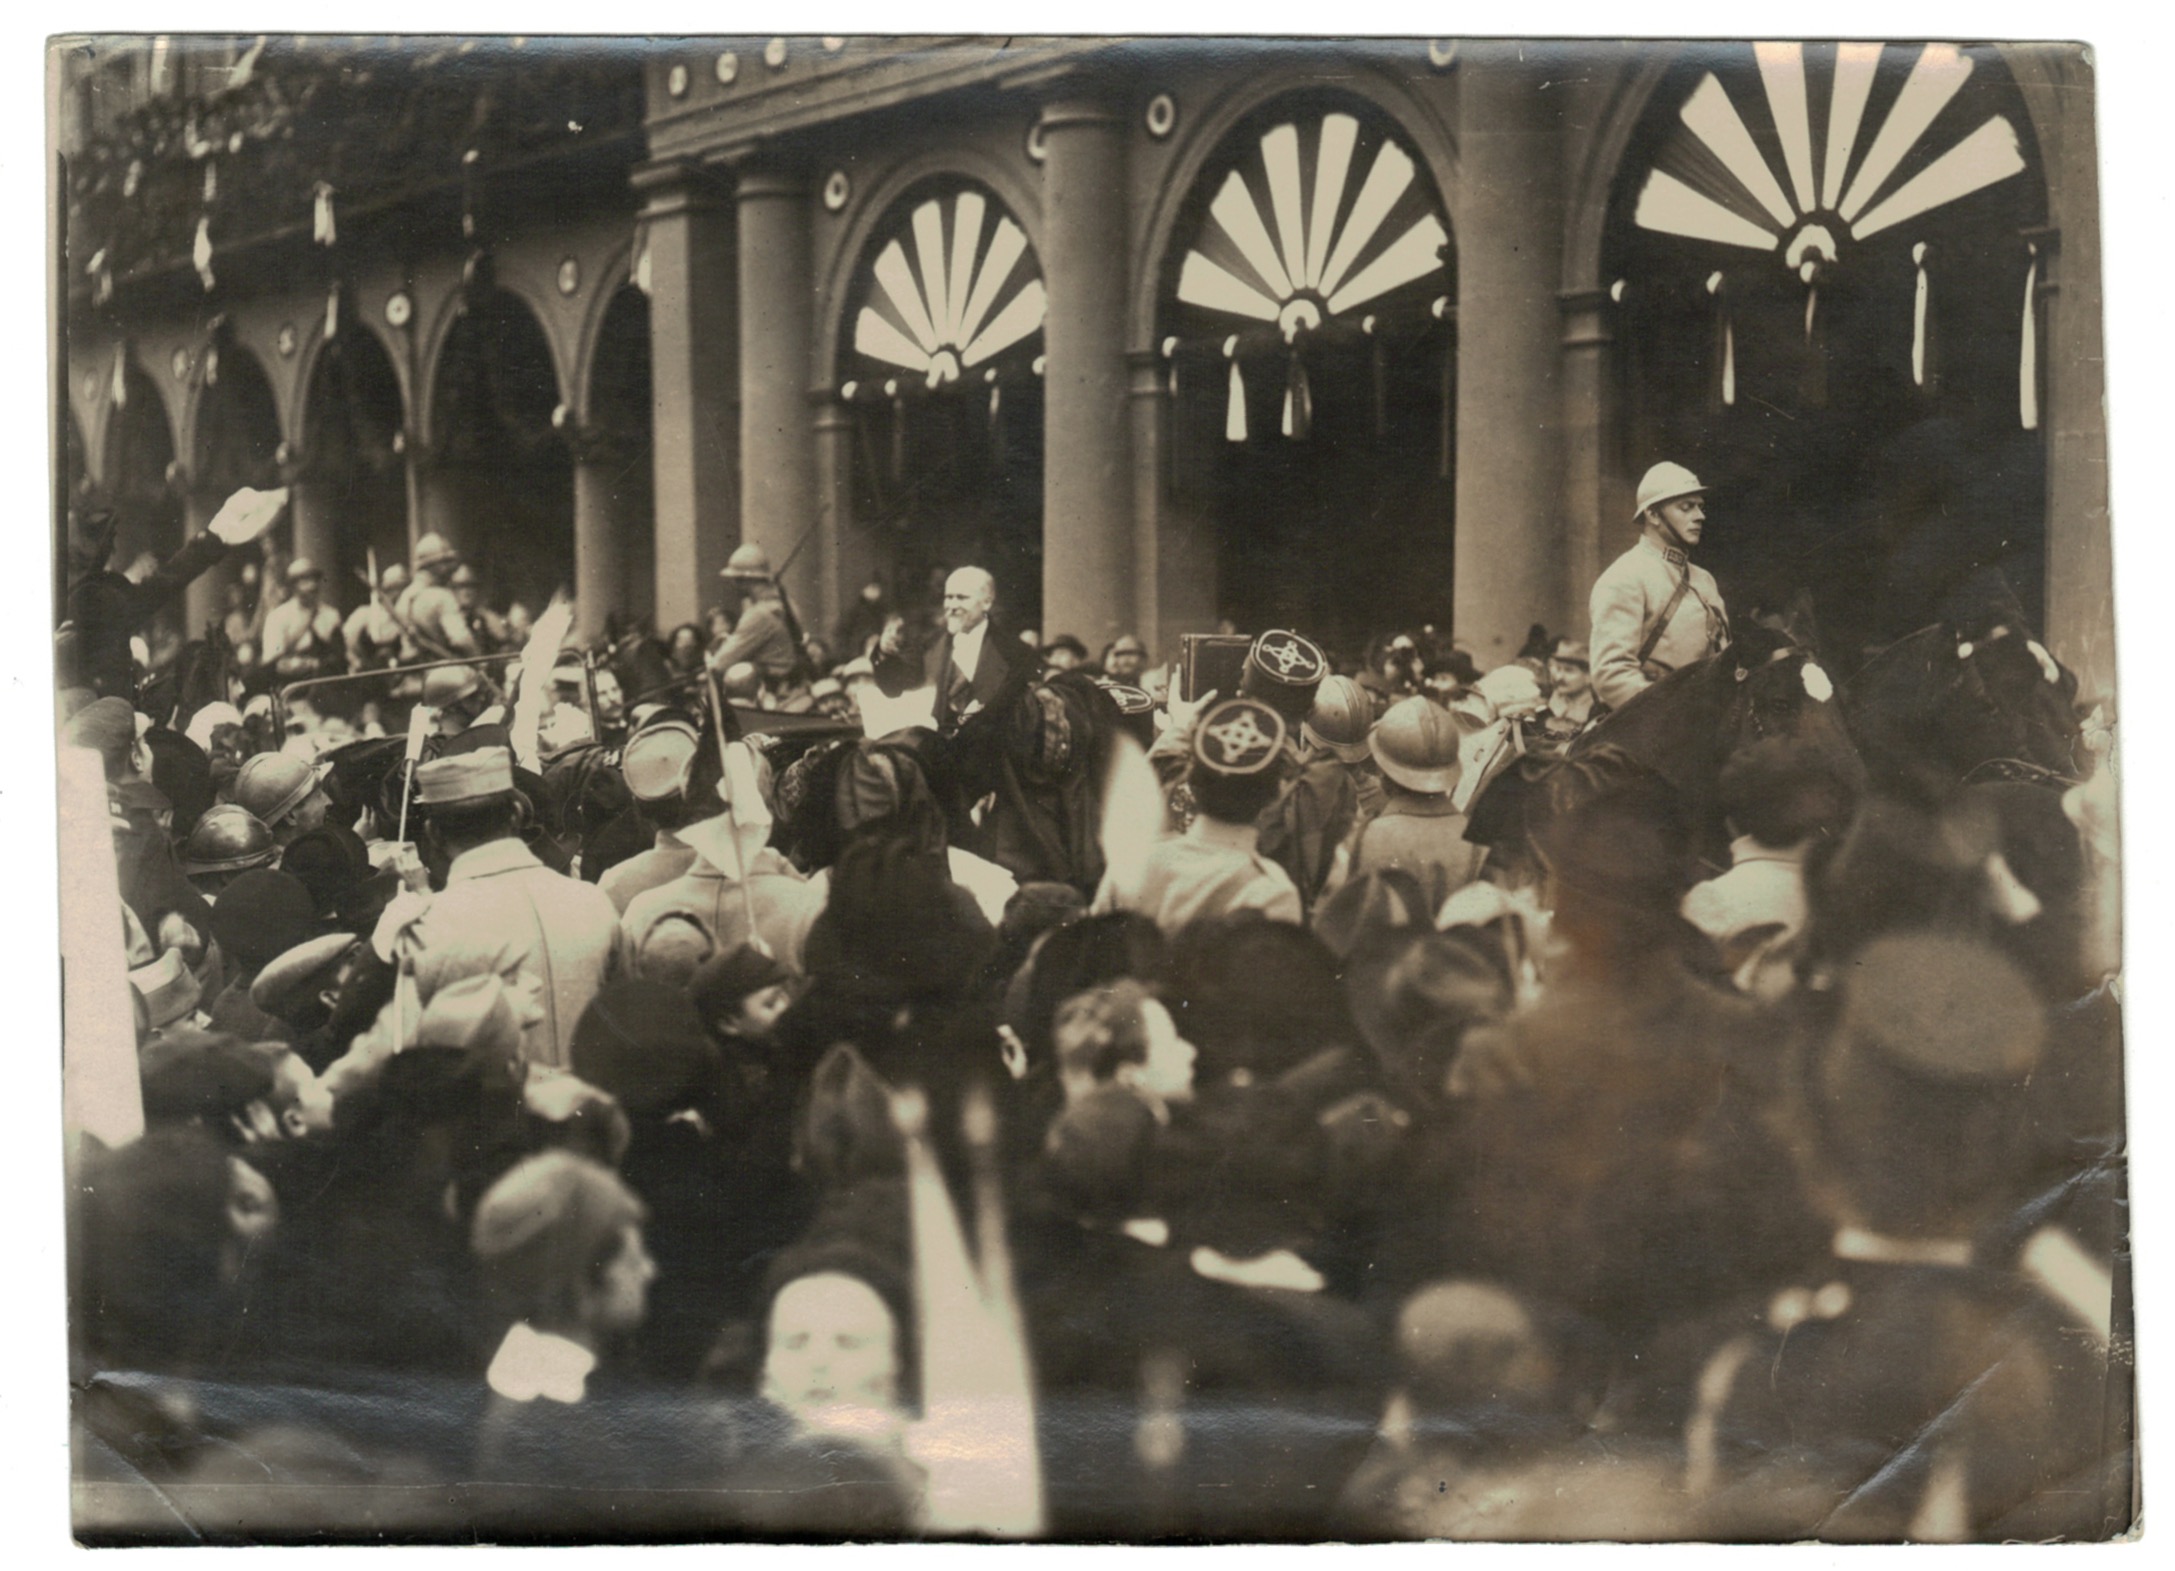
(1767, 683)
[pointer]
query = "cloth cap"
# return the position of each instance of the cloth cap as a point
(643, 1043)
(106, 726)
(432, 550)
(1665, 482)
(549, 1221)
(272, 785)
(724, 980)
(657, 760)
(475, 1014)
(291, 980)
(1571, 651)
(749, 562)
(1417, 745)
(1240, 736)
(227, 839)
(302, 567)
(484, 775)
(190, 1074)
(262, 915)
(167, 988)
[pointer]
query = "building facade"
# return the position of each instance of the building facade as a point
(1348, 336)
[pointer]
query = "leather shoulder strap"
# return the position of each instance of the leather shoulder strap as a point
(1661, 623)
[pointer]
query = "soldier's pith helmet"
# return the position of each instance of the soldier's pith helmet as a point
(272, 785)
(433, 551)
(302, 567)
(749, 563)
(228, 839)
(1665, 482)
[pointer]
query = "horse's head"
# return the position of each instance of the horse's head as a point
(2009, 701)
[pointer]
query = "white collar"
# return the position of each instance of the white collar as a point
(533, 1363)
(967, 648)
(1862, 1243)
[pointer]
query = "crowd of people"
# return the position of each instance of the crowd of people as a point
(941, 1079)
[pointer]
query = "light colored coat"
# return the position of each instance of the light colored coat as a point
(504, 913)
(1626, 601)
(1210, 869)
(785, 905)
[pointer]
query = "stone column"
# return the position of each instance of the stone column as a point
(777, 323)
(607, 510)
(1596, 499)
(2073, 383)
(314, 513)
(1088, 493)
(694, 383)
(1174, 552)
(205, 600)
(1510, 568)
(849, 558)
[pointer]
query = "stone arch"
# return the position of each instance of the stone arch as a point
(351, 483)
(1420, 121)
(313, 347)
(616, 273)
(144, 393)
(233, 420)
(1003, 177)
(1586, 206)
(497, 475)
(448, 315)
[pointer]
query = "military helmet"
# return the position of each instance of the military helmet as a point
(228, 839)
(449, 684)
(1416, 744)
(272, 785)
(749, 562)
(433, 551)
(1340, 719)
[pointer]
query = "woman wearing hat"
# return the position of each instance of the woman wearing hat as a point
(1653, 610)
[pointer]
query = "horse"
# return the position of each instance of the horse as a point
(1767, 683)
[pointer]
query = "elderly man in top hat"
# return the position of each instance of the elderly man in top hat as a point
(1654, 611)
(762, 630)
(302, 635)
(433, 626)
(502, 912)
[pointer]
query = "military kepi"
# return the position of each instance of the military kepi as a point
(1283, 670)
(481, 776)
(1238, 737)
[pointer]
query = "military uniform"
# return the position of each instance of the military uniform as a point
(299, 643)
(1628, 600)
(432, 616)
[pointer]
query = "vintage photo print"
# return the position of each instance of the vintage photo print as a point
(1086, 790)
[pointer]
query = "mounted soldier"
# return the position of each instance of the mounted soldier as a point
(1654, 611)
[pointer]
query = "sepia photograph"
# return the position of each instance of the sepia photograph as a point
(1084, 789)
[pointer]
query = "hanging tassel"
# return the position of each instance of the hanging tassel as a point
(898, 432)
(638, 270)
(211, 365)
(211, 182)
(1298, 399)
(120, 377)
(332, 313)
(1726, 339)
(1378, 378)
(200, 253)
(101, 278)
(1234, 415)
(323, 230)
(468, 194)
(2027, 362)
(996, 422)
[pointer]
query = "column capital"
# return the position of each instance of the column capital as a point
(1077, 109)
(669, 187)
(1144, 374)
(769, 178)
(1585, 318)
